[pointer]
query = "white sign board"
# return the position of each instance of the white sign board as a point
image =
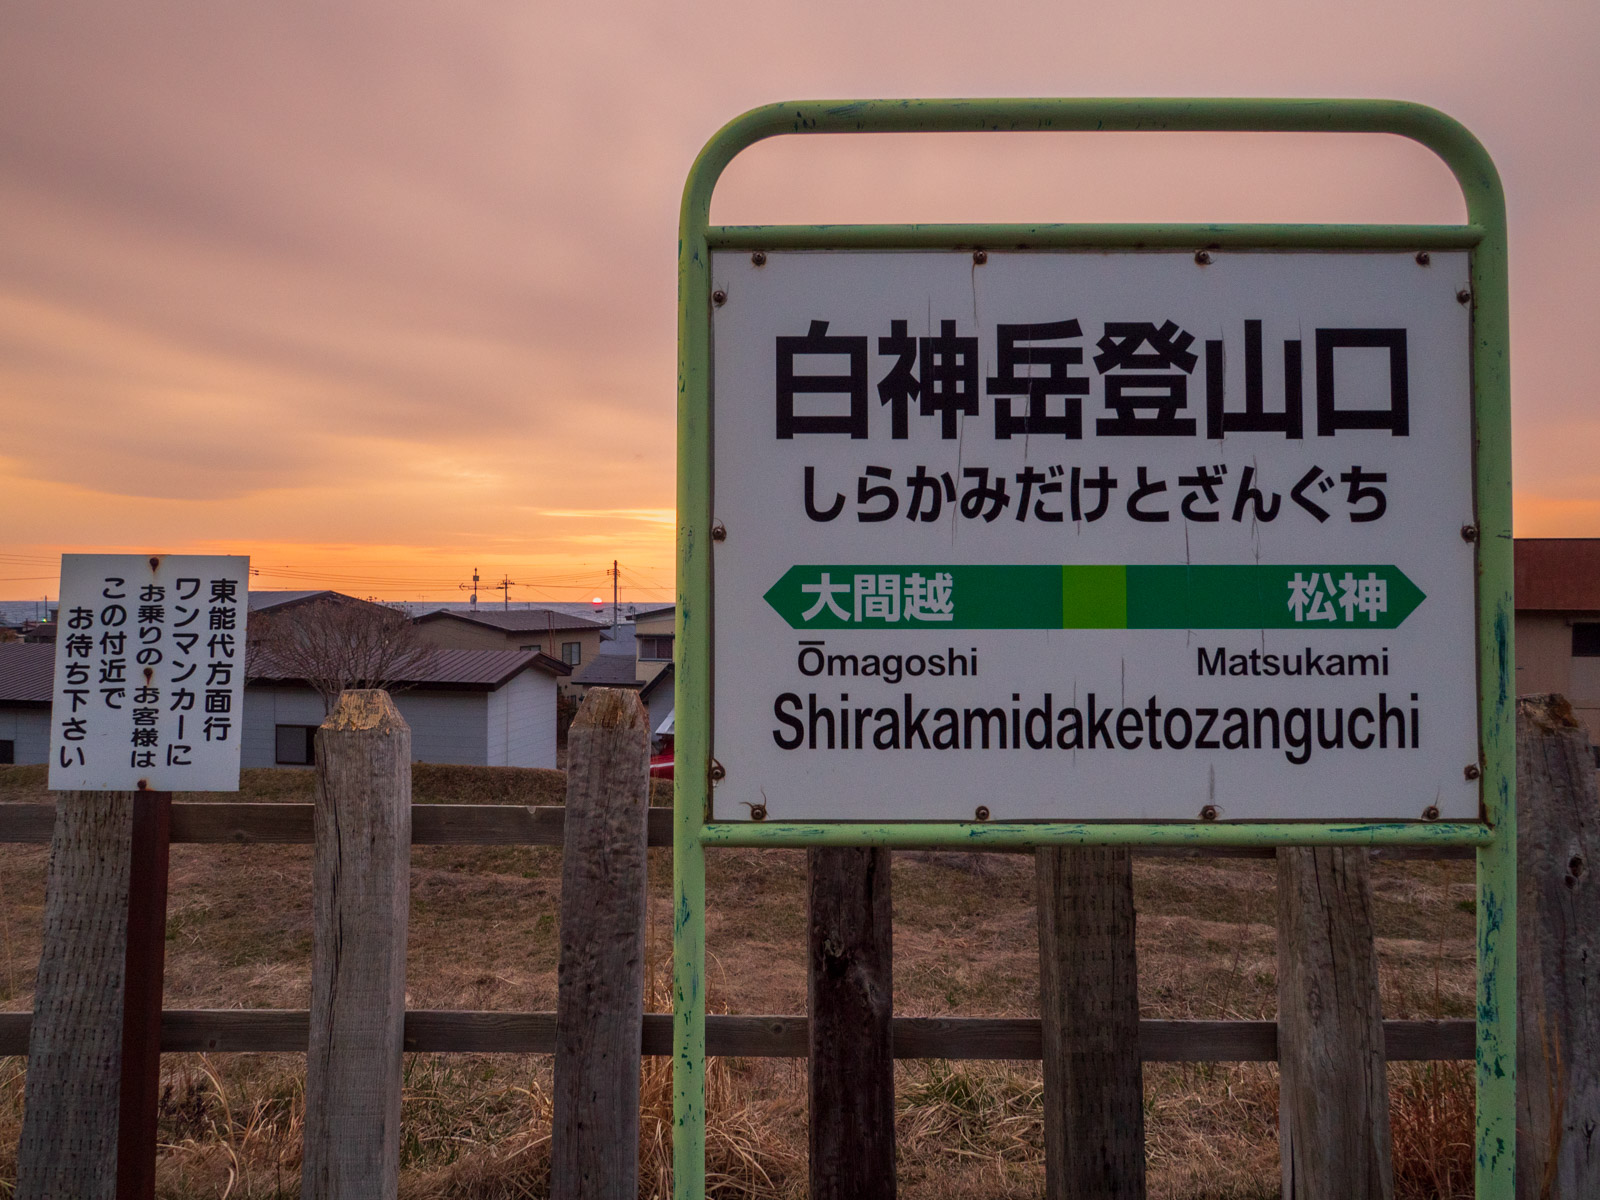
(150, 663)
(1093, 535)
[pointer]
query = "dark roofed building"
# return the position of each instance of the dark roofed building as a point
(1558, 622)
(492, 708)
(276, 601)
(609, 670)
(573, 639)
(27, 682)
(658, 700)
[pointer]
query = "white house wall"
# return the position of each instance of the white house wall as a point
(514, 726)
(522, 722)
(267, 708)
(29, 729)
(446, 727)
(660, 705)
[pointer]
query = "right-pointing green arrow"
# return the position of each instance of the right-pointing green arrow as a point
(1235, 596)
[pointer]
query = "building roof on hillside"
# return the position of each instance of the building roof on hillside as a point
(1557, 574)
(521, 620)
(469, 670)
(264, 601)
(261, 600)
(16, 613)
(608, 670)
(27, 673)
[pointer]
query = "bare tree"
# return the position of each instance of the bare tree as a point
(333, 645)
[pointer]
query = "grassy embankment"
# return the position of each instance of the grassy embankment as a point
(483, 935)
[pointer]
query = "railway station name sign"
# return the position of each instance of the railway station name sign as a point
(1093, 536)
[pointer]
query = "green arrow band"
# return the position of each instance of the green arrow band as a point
(1245, 596)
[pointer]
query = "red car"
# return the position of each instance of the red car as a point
(661, 764)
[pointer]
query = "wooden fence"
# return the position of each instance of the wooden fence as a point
(92, 1078)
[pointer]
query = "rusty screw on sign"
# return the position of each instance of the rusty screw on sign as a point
(718, 772)
(1431, 813)
(155, 562)
(759, 258)
(979, 257)
(1469, 533)
(1203, 257)
(1424, 258)
(758, 812)
(1208, 813)
(983, 812)
(1473, 771)
(719, 531)
(719, 297)
(1464, 295)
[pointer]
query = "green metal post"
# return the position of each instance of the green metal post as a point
(692, 703)
(1484, 235)
(1497, 860)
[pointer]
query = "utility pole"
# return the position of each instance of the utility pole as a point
(615, 576)
(504, 588)
(474, 586)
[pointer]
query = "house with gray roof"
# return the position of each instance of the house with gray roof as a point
(573, 639)
(27, 681)
(493, 708)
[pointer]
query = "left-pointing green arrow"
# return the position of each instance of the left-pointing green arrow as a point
(1233, 596)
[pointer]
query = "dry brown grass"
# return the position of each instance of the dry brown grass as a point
(965, 943)
(1433, 1125)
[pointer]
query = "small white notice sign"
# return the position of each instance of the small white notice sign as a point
(149, 683)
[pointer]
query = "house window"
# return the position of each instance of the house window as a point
(8, 752)
(536, 647)
(296, 745)
(656, 649)
(572, 653)
(1586, 639)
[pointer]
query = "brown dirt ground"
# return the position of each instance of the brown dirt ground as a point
(483, 936)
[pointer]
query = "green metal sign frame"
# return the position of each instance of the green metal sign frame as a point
(1483, 237)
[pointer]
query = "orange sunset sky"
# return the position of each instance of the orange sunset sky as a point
(380, 292)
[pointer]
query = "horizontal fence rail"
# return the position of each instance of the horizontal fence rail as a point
(278, 1030)
(286, 1030)
(244, 824)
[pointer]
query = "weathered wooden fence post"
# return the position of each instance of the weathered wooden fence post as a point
(70, 1120)
(146, 957)
(1089, 1005)
(852, 1034)
(600, 975)
(1558, 967)
(361, 894)
(1333, 1106)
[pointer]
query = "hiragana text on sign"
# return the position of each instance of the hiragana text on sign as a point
(150, 667)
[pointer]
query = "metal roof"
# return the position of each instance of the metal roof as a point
(620, 641)
(27, 672)
(483, 670)
(1557, 574)
(608, 670)
(522, 620)
(263, 600)
(268, 600)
